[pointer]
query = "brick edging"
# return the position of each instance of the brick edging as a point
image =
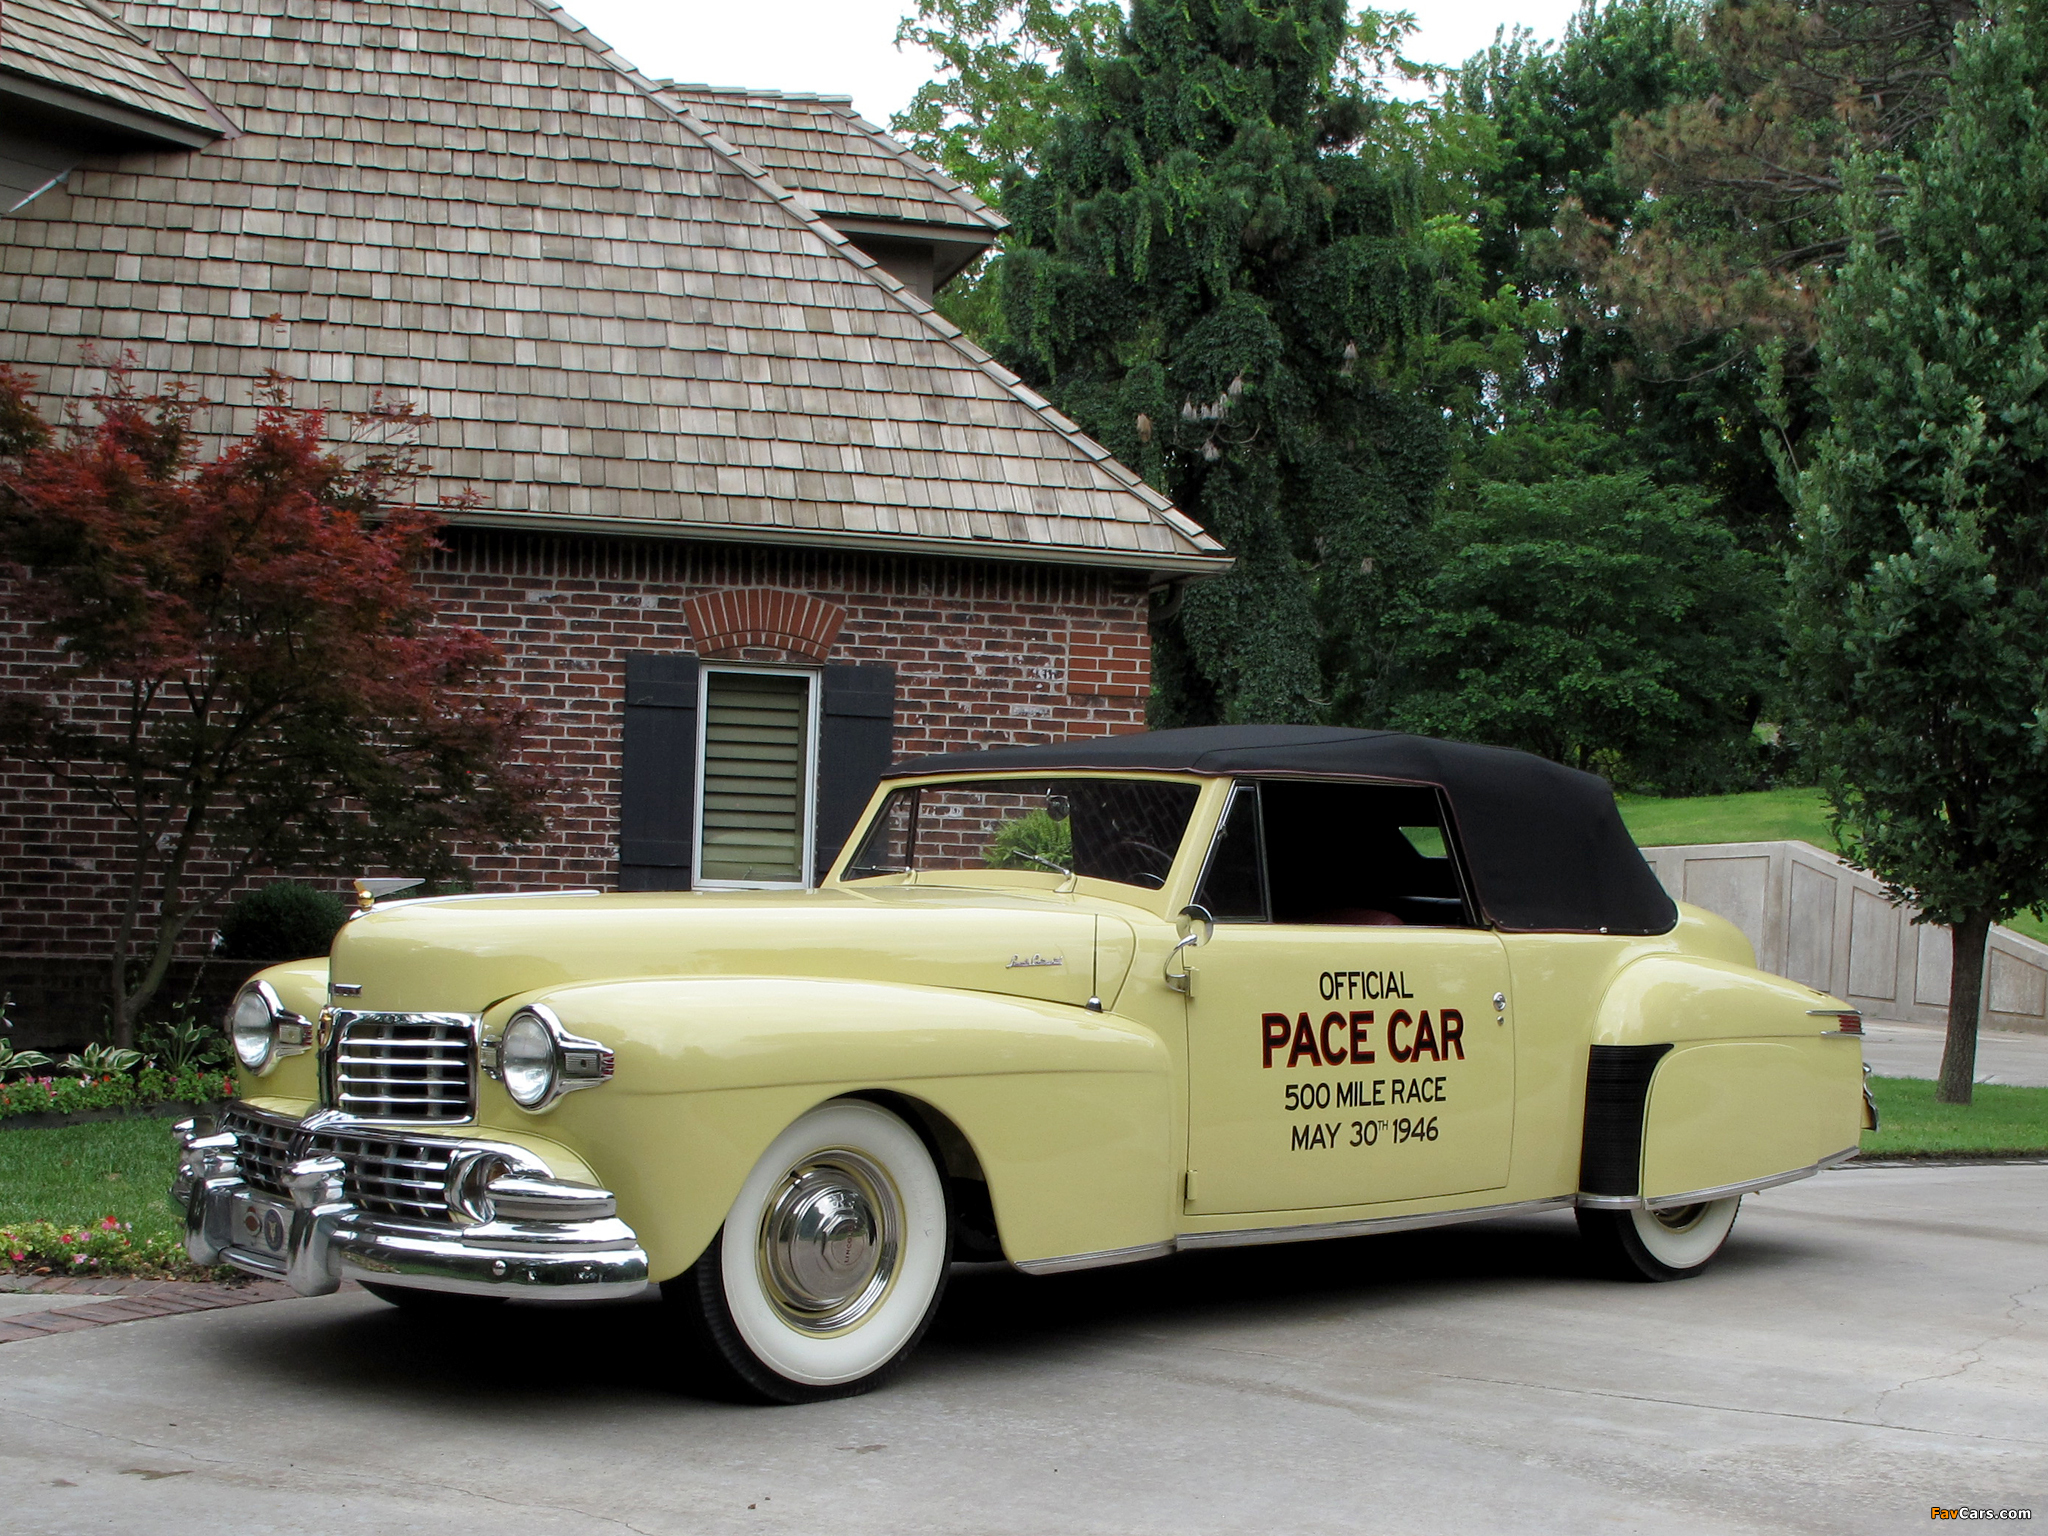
(129, 1301)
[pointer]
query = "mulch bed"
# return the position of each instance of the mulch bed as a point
(128, 1301)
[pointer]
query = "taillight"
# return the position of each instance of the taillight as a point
(1847, 1020)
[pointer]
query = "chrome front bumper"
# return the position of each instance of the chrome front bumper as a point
(563, 1244)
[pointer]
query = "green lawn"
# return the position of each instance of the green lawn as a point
(1997, 1120)
(1762, 817)
(76, 1174)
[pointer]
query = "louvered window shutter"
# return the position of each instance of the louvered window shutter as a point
(658, 774)
(858, 724)
(757, 752)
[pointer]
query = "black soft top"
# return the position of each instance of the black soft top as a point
(1544, 844)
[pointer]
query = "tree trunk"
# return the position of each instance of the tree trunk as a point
(120, 1020)
(1965, 1008)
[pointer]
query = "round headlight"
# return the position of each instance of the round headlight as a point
(526, 1061)
(253, 1029)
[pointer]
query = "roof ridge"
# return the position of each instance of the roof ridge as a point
(956, 338)
(194, 98)
(948, 332)
(957, 191)
(697, 87)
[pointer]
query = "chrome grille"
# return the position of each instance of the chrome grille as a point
(390, 1175)
(405, 1066)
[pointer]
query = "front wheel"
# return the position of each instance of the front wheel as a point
(831, 1261)
(1670, 1244)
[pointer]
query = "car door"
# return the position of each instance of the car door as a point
(1350, 1039)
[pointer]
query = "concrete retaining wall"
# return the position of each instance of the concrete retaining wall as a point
(1816, 920)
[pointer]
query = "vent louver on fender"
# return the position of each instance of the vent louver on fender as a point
(1617, 1089)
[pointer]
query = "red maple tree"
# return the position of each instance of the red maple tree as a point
(251, 677)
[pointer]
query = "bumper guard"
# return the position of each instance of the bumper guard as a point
(548, 1239)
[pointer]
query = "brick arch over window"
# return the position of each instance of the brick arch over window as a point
(740, 619)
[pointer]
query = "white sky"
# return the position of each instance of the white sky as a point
(844, 47)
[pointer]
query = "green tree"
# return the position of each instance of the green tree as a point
(1920, 570)
(998, 87)
(1216, 273)
(1598, 620)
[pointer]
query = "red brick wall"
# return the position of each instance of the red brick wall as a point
(985, 654)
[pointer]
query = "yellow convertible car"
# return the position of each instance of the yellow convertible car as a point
(1060, 1006)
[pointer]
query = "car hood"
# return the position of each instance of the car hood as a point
(462, 955)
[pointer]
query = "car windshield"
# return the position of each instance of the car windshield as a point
(1126, 830)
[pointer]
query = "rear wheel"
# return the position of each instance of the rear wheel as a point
(831, 1261)
(1669, 1244)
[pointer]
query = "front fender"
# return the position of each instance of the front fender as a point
(301, 985)
(1735, 1080)
(1066, 1111)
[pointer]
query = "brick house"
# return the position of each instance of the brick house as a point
(731, 462)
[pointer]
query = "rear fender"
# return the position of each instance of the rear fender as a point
(1706, 1074)
(1066, 1111)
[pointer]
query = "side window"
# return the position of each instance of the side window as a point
(1233, 883)
(1367, 855)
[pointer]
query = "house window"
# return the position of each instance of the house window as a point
(757, 754)
(843, 718)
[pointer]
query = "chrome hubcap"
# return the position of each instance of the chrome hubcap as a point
(1678, 1218)
(830, 1240)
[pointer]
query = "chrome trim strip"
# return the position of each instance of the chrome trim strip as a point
(1366, 1226)
(1750, 1186)
(1100, 1259)
(1718, 1192)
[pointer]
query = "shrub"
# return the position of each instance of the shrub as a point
(107, 1247)
(281, 921)
(1034, 836)
(186, 1041)
(70, 1095)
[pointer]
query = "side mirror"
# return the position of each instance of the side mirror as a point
(1196, 927)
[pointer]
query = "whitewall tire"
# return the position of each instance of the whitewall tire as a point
(1670, 1244)
(831, 1262)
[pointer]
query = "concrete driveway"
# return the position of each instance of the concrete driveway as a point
(1873, 1343)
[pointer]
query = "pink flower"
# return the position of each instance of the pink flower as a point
(17, 1257)
(108, 1224)
(63, 1237)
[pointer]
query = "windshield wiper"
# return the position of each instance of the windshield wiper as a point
(1048, 863)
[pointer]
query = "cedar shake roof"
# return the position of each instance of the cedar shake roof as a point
(75, 47)
(837, 161)
(617, 320)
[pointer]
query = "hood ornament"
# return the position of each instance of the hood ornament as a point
(1020, 962)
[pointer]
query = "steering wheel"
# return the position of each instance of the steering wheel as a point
(1141, 876)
